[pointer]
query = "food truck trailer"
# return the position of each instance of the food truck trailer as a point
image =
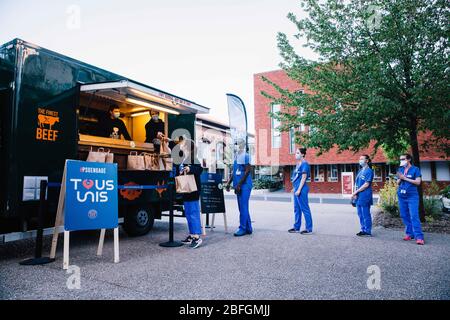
(50, 108)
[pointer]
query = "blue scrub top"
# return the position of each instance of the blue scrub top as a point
(365, 198)
(297, 174)
(239, 164)
(405, 188)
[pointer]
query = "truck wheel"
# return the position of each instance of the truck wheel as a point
(138, 221)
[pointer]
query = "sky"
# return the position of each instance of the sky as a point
(197, 49)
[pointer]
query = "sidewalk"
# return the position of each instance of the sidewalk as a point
(282, 196)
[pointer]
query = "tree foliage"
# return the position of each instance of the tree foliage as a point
(382, 75)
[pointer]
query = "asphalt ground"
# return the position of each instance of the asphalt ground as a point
(271, 263)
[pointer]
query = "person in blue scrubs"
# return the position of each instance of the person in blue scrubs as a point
(191, 166)
(363, 197)
(301, 204)
(242, 184)
(409, 178)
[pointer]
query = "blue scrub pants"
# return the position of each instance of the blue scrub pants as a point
(301, 206)
(192, 212)
(365, 219)
(245, 222)
(409, 211)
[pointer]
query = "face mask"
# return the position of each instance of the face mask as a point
(403, 163)
(362, 163)
(298, 156)
(155, 118)
(116, 115)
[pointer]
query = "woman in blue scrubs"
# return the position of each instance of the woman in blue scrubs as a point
(191, 166)
(409, 178)
(363, 195)
(300, 187)
(242, 184)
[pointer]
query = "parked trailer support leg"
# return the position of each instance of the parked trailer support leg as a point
(38, 259)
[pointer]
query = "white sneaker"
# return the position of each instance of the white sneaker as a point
(196, 243)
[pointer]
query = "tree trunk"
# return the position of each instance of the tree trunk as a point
(416, 161)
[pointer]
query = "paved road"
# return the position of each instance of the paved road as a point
(270, 264)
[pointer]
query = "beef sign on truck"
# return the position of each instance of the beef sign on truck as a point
(50, 108)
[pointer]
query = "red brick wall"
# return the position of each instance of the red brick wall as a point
(282, 156)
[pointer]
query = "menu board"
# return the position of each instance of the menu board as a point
(212, 199)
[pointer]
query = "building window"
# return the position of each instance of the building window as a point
(377, 173)
(347, 167)
(276, 133)
(319, 173)
(425, 169)
(442, 171)
(220, 155)
(301, 113)
(332, 173)
(291, 141)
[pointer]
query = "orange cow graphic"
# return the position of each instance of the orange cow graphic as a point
(43, 119)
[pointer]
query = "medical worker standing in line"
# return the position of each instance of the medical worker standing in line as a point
(301, 204)
(242, 184)
(363, 197)
(409, 178)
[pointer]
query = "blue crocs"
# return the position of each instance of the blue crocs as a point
(240, 233)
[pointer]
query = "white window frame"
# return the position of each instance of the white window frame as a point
(377, 178)
(441, 174)
(317, 171)
(275, 131)
(332, 168)
(292, 145)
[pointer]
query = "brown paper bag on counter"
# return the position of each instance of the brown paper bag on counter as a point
(135, 161)
(97, 156)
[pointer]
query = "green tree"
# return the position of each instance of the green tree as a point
(382, 75)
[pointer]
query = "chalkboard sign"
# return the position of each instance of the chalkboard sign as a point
(212, 200)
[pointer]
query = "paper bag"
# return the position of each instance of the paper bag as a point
(185, 183)
(97, 156)
(135, 161)
(165, 150)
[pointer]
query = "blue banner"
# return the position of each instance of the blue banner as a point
(91, 196)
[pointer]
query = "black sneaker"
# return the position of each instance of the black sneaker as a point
(306, 232)
(293, 230)
(363, 234)
(196, 242)
(188, 240)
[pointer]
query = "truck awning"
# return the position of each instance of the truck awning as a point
(127, 91)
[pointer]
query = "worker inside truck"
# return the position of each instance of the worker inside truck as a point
(112, 126)
(119, 120)
(154, 130)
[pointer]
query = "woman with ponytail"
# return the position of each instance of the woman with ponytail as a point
(363, 195)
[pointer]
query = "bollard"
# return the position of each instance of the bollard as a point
(38, 259)
(171, 243)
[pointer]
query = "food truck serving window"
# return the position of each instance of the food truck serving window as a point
(136, 103)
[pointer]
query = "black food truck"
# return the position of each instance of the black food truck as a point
(50, 110)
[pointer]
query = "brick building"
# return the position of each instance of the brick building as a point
(275, 150)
